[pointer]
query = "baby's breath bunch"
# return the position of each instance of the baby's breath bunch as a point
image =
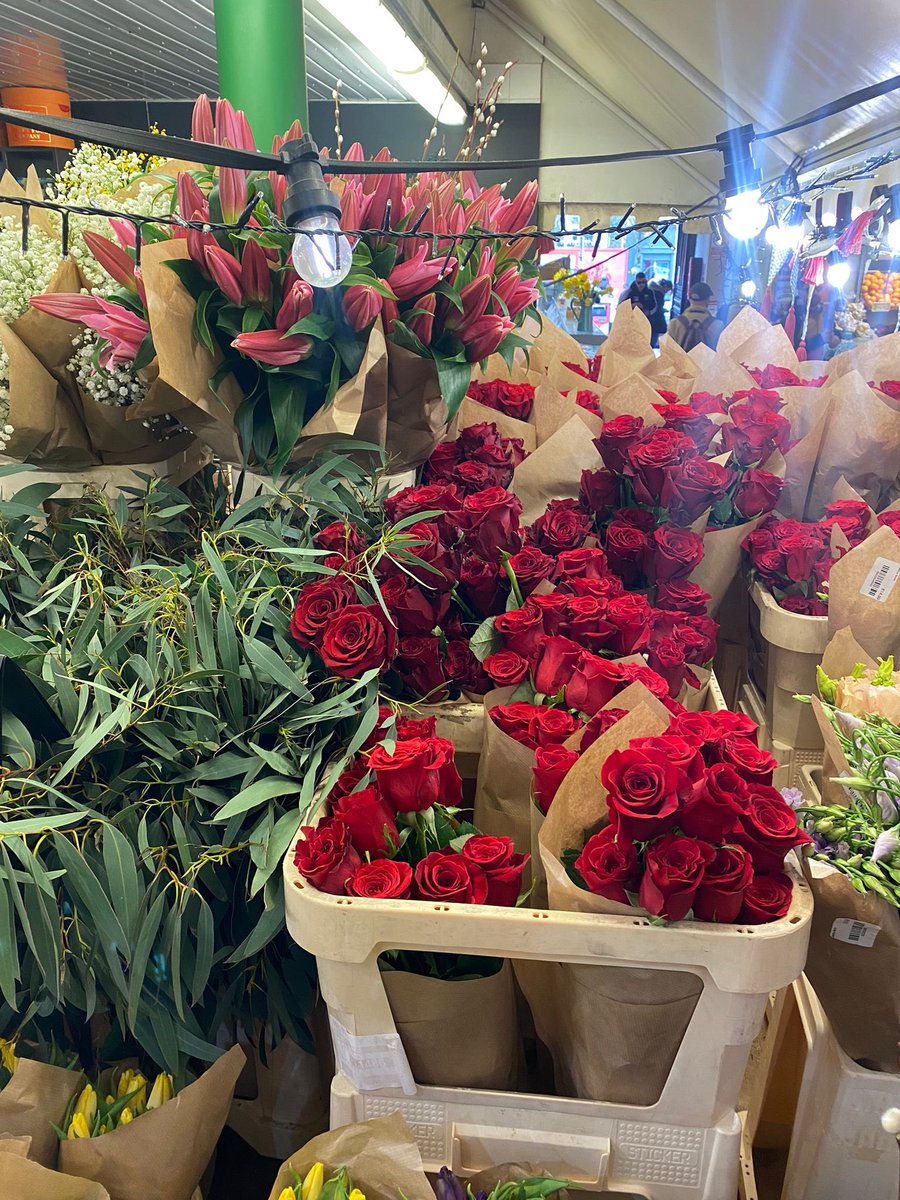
(118, 387)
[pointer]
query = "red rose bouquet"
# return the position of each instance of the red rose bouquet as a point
(771, 376)
(511, 399)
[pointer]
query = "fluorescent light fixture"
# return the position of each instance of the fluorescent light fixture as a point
(380, 32)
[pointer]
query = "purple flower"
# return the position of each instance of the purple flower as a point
(448, 1187)
(792, 796)
(885, 845)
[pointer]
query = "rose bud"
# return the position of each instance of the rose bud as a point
(551, 765)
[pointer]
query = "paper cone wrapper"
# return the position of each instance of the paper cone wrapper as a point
(503, 787)
(425, 1008)
(21, 1179)
(808, 410)
(551, 410)
(864, 593)
(627, 349)
(861, 442)
(553, 471)
(723, 375)
(634, 397)
(674, 358)
(747, 324)
(473, 413)
(768, 346)
(381, 1157)
(849, 979)
(496, 368)
(39, 217)
(721, 560)
(163, 1152)
(552, 349)
(417, 414)
(875, 359)
(703, 356)
(33, 1101)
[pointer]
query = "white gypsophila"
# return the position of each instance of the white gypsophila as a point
(118, 387)
(23, 275)
(5, 428)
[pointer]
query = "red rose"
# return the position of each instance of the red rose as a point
(443, 460)
(683, 418)
(630, 617)
(513, 399)
(679, 751)
(497, 857)
(667, 658)
(552, 726)
(774, 377)
(426, 559)
(370, 820)
(674, 868)
(588, 400)
(490, 453)
(852, 517)
(674, 553)
(890, 387)
(490, 523)
(758, 492)
(515, 451)
(555, 662)
(522, 629)
(474, 437)
(637, 518)
(416, 727)
(805, 606)
(586, 622)
(725, 724)
(325, 856)
(417, 774)
(593, 684)
(515, 720)
(759, 541)
(587, 563)
(483, 584)
(464, 668)
(655, 684)
(506, 668)
(603, 589)
(802, 554)
(609, 867)
(316, 606)
(768, 829)
(767, 898)
(756, 433)
(359, 638)
(551, 765)
(706, 402)
(891, 519)
(553, 609)
(530, 567)
(769, 565)
(473, 477)
(442, 499)
(418, 663)
(721, 894)
(451, 878)
(651, 460)
(645, 793)
(340, 537)
(693, 487)
(383, 879)
(713, 810)
(626, 550)
(680, 595)
(414, 610)
(751, 763)
(353, 773)
(598, 492)
(618, 436)
(563, 526)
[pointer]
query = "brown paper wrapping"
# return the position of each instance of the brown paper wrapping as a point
(503, 788)
(875, 623)
(381, 1157)
(769, 345)
(676, 359)
(856, 985)
(721, 560)
(425, 1008)
(746, 324)
(723, 375)
(164, 1152)
(553, 471)
(552, 349)
(703, 356)
(634, 397)
(21, 1179)
(551, 410)
(473, 413)
(808, 411)
(33, 1101)
(627, 349)
(861, 441)
(875, 359)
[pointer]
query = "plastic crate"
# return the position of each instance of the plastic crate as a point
(685, 1146)
(795, 759)
(789, 647)
(838, 1148)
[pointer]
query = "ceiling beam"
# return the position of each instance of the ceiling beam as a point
(688, 71)
(562, 64)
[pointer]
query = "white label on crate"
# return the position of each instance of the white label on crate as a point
(372, 1061)
(879, 583)
(857, 933)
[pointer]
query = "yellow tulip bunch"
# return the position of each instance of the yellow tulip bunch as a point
(315, 1187)
(8, 1057)
(93, 1113)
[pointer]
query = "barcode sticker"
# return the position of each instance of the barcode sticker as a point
(372, 1061)
(879, 583)
(856, 933)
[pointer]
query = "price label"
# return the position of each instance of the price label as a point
(880, 581)
(855, 933)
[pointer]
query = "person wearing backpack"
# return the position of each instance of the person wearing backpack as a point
(697, 324)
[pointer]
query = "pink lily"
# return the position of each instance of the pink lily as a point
(350, 208)
(68, 306)
(124, 331)
(113, 259)
(362, 304)
(279, 190)
(417, 275)
(389, 312)
(273, 348)
(197, 241)
(125, 232)
(370, 182)
(515, 292)
(517, 215)
(297, 304)
(388, 191)
(232, 128)
(484, 336)
(256, 282)
(232, 193)
(475, 297)
(355, 153)
(202, 128)
(226, 272)
(191, 197)
(289, 135)
(422, 323)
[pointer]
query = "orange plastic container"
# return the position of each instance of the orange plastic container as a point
(36, 82)
(47, 101)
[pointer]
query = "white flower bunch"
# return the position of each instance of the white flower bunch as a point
(5, 428)
(117, 388)
(23, 275)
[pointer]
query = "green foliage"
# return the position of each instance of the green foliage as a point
(140, 855)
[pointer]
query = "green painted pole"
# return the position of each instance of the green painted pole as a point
(262, 63)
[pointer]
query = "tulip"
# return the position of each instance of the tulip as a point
(362, 304)
(484, 335)
(68, 306)
(232, 193)
(133, 1082)
(226, 272)
(422, 322)
(202, 128)
(8, 1055)
(273, 348)
(161, 1092)
(287, 1193)
(113, 259)
(192, 201)
(78, 1127)
(86, 1104)
(448, 1187)
(356, 1194)
(126, 1116)
(256, 281)
(313, 1183)
(297, 304)
(417, 275)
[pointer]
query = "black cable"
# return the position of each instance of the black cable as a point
(862, 96)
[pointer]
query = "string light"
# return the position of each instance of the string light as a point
(321, 252)
(748, 289)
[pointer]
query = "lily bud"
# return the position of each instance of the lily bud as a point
(362, 304)
(161, 1092)
(256, 281)
(272, 347)
(422, 324)
(484, 336)
(313, 1183)
(232, 193)
(297, 304)
(226, 272)
(202, 129)
(417, 275)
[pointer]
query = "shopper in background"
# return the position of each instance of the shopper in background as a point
(660, 288)
(820, 335)
(641, 296)
(697, 324)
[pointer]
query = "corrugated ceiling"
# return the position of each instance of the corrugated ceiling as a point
(165, 49)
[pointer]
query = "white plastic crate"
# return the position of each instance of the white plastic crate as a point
(683, 1147)
(839, 1150)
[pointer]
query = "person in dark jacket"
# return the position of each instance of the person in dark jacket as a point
(640, 296)
(658, 323)
(697, 324)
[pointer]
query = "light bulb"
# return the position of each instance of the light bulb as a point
(321, 255)
(829, 220)
(893, 236)
(748, 289)
(773, 236)
(855, 212)
(838, 274)
(745, 215)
